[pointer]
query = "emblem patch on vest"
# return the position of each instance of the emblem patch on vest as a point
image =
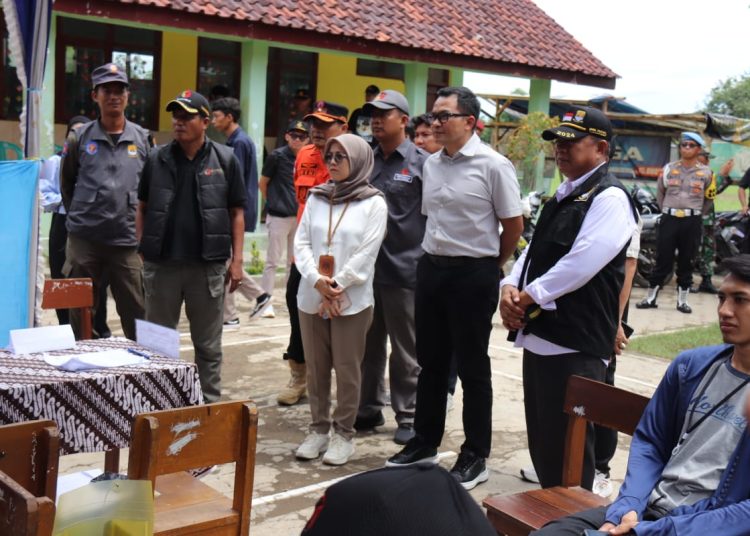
(92, 148)
(132, 150)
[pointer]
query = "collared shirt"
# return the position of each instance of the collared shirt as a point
(399, 177)
(99, 182)
(681, 186)
(49, 185)
(605, 230)
(281, 200)
(463, 197)
(354, 248)
(244, 150)
(309, 171)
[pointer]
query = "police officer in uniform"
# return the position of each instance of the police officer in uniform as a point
(683, 194)
(99, 174)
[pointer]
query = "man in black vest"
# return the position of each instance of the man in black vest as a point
(190, 220)
(560, 303)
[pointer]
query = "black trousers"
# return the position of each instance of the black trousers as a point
(294, 350)
(545, 379)
(454, 304)
(605, 439)
(574, 524)
(682, 234)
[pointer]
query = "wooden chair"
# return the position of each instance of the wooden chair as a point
(71, 294)
(585, 401)
(165, 444)
(22, 514)
(29, 452)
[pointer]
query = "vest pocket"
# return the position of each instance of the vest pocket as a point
(84, 194)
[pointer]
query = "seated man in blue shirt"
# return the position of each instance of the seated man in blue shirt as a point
(689, 466)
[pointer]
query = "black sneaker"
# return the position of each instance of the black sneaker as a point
(235, 322)
(470, 470)
(260, 303)
(368, 423)
(414, 452)
(404, 434)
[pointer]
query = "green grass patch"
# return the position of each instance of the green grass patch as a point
(668, 345)
(727, 200)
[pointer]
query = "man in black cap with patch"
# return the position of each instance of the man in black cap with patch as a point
(561, 301)
(99, 173)
(398, 174)
(190, 221)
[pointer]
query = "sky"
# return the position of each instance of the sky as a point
(669, 54)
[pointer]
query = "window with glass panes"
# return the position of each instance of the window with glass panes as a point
(84, 45)
(219, 64)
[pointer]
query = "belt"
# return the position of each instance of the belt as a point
(682, 212)
(439, 260)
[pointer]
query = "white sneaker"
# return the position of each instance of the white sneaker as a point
(529, 474)
(449, 403)
(313, 445)
(602, 485)
(339, 451)
(268, 312)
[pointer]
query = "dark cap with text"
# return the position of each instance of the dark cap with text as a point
(109, 72)
(579, 122)
(192, 102)
(329, 112)
(297, 125)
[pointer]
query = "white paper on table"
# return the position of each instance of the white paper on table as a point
(94, 360)
(66, 483)
(165, 341)
(43, 339)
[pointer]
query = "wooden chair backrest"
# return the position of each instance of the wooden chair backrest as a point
(71, 294)
(598, 403)
(29, 452)
(23, 514)
(170, 441)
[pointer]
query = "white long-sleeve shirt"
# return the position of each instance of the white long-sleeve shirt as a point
(605, 230)
(354, 247)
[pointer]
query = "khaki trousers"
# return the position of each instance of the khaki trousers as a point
(336, 344)
(121, 265)
(280, 237)
(249, 290)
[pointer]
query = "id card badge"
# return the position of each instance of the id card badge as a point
(325, 265)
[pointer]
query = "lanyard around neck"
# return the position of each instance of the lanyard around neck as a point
(691, 427)
(332, 232)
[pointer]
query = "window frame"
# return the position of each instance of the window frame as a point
(236, 59)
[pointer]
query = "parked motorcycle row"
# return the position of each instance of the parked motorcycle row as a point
(730, 230)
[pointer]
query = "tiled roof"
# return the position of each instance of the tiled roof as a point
(508, 31)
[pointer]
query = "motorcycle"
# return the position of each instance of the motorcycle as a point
(530, 205)
(730, 231)
(648, 208)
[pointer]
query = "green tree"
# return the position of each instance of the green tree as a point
(526, 147)
(731, 96)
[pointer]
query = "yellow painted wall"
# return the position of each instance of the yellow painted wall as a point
(338, 81)
(179, 68)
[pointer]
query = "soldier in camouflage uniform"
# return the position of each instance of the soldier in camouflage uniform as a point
(707, 252)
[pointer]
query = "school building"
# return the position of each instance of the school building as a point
(265, 51)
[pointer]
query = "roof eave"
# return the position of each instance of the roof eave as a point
(162, 17)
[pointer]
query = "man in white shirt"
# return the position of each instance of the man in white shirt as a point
(561, 300)
(468, 189)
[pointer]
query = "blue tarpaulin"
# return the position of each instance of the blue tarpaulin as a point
(18, 184)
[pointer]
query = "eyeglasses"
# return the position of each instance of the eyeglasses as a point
(336, 158)
(297, 136)
(443, 117)
(688, 145)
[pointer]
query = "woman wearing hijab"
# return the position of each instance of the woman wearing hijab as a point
(335, 248)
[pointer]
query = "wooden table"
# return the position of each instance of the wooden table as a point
(94, 409)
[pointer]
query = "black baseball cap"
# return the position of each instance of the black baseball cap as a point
(329, 112)
(298, 125)
(416, 500)
(192, 102)
(388, 100)
(301, 93)
(579, 122)
(109, 72)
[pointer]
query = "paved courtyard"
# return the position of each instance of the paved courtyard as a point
(285, 489)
